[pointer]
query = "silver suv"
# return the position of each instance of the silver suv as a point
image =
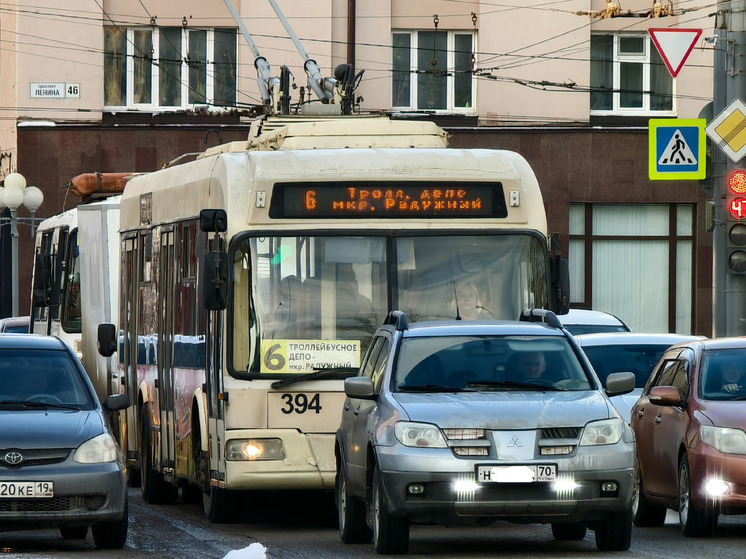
(467, 422)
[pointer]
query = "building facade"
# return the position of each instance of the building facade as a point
(117, 86)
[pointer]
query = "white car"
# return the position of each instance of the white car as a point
(583, 321)
(14, 324)
(629, 352)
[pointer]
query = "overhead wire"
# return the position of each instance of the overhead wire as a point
(527, 59)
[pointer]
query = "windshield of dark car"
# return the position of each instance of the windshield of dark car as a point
(488, 363)
(634, 358)
(43, 376)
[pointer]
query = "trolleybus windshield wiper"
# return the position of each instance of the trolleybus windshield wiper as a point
(317, 373)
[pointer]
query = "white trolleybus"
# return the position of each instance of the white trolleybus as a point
(75, 273)
(253, 278)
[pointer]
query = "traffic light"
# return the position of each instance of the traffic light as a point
(735, 217)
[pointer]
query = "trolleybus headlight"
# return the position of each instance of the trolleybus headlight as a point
(254, 449)
(97, 450)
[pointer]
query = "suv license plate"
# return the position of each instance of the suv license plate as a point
(26, 489)
(517, 474)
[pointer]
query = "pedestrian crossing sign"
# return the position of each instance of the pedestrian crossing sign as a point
(676, 149)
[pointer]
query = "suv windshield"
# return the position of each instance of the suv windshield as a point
(488, 363)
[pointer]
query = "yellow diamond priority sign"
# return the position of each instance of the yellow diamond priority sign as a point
(728, 130)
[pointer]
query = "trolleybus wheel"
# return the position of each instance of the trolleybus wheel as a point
(155, 489)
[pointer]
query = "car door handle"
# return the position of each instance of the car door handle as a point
(658, 419)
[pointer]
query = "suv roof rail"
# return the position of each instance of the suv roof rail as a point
(398, 318)
(540, 315)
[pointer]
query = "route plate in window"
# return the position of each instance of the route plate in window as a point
(26, 489)
(517, 473)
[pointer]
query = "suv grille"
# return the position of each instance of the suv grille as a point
(561, 433)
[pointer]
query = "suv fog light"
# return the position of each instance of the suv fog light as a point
(554, 450)
(609, 487)
(254, 449)
(565, 485)
(717, 487)
(415, 489)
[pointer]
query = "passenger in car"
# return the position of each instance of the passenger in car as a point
(530, 365)
(732, 374)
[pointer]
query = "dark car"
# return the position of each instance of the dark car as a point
(633, 352)
(584, 321)
(690, 427)
(470, 422)
(60, 466)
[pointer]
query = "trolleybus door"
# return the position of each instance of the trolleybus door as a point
(128, 344)
(214, 386)
(165, 302)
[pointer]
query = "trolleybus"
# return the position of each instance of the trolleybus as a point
(75, 274)
(253, 278)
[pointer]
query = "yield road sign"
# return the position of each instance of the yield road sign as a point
(674, 46)
(728, 130)
(676, 149)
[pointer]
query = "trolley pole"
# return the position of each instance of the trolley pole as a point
(729, 286)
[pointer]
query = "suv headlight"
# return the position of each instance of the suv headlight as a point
(728, 441)
(97, 450)
(422, 435)
(605, 431)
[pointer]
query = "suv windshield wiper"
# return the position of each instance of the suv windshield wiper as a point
(317, 373)
(512, 385)
(431, 388)
(29, 404)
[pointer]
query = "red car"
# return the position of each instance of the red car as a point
(691, 445)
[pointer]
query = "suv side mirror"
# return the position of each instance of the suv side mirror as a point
(620, 383)
(360, 387)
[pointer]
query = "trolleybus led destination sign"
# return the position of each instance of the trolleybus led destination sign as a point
(388, 200)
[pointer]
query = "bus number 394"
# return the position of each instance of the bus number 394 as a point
(300, 403)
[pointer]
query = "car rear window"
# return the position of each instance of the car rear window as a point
(483, 362)
(26, 374)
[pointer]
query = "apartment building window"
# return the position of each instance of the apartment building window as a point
(432, 70)
(635, 261)
(169, 67)
(628, 76)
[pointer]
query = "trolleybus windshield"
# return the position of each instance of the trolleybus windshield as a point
(311, 302)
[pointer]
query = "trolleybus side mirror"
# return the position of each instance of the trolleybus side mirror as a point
(559, 271)
(215, 281)
(213, 221)
(107, 339)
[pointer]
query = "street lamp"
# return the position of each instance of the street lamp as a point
(13, 195)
